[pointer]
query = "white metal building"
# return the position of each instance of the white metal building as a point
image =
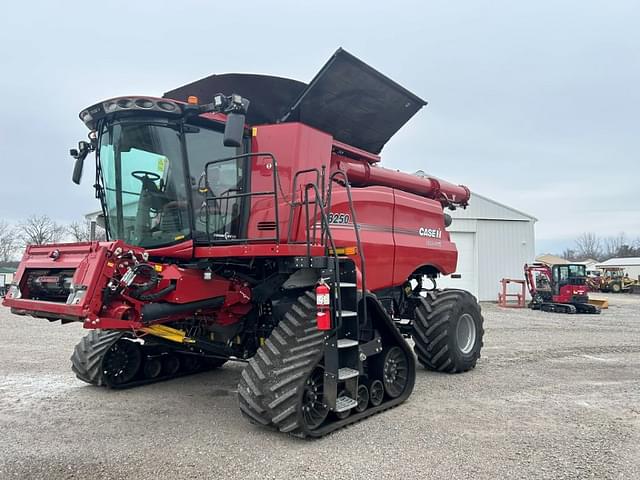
(631, 265)
(494, 242)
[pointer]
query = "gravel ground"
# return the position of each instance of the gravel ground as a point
(554, 396)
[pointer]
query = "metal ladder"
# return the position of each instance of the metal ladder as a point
(342, 347)
(342, 362)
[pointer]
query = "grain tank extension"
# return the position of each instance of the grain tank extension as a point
(248, 220)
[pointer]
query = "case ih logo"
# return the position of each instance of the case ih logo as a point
(430, 232)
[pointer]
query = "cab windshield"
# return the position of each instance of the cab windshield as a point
(151, 197)
(570, 274)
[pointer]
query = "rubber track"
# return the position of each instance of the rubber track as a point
(268, 392)
(86, 360)
(270, 387)
(431, 330)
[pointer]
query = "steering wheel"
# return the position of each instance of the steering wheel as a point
(142, 175)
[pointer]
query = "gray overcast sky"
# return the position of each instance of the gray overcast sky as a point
(534, 104)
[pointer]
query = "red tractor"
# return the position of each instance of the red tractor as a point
(264, 234)
(558, 288)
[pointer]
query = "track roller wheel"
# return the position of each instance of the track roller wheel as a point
(190, 363)
(448, 331)
(170, 364)
(376, 393)
(152, 367)
(363, 398)
(394, 372)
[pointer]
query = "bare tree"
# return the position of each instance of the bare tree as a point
(8, 242)
(588, 245)
(569, 254)
(40, 230)
(613, 245)
(81, 231)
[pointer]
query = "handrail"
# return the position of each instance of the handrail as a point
(325, 227)
(355, 227)
(295, 204)
(273, 192)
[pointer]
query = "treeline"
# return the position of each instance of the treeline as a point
(589, 245)
(40, 230)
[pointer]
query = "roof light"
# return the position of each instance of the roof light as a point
(192, 100)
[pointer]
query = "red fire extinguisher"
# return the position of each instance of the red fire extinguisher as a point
(323, 316)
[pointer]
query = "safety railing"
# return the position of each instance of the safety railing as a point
(220, 234)
(356, 228)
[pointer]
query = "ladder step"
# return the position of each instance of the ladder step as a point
(347, 343)
(345, 403)
(345, 373)
(349, 313)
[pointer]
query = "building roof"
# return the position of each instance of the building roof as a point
(551, 260)
(7, 270)
(484, 208)
(621, 261)
(588, 261)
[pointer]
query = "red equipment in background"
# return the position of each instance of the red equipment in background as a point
(504, 294)
(559, 288)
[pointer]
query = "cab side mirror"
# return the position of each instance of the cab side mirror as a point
(80, 154)
(233, 130)
(77, 170)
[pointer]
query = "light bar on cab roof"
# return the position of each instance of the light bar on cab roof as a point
(92, 114)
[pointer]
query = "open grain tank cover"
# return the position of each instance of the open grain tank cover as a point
(355, 103)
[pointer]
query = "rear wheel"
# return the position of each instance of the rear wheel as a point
(448, 331)
(616, 287)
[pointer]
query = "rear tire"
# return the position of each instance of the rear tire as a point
(448, 331)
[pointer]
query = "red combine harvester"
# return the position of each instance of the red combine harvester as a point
(240, 233)
(559, 288)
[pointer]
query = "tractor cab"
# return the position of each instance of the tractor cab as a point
(569, 275)
(613, 272)
(158, 164)
(153, 184)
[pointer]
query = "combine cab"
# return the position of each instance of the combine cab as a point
(559, 288)
(255, 225)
